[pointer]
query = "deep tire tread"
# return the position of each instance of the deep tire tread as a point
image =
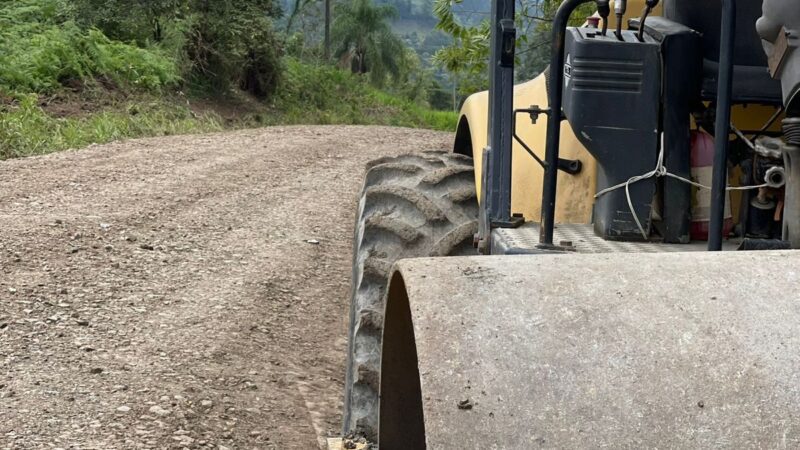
(413, 205)
(402, 230)
(388, 170)
(455, 239)
(441, 176)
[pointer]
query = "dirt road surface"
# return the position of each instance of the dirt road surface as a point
(182, 292)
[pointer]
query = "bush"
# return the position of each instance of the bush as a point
(319, 87)
(218, 44)
(235, 44)
(40, 51)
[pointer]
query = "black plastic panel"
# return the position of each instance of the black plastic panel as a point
(611, 99)
(683, 63)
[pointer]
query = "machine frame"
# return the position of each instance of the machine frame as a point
(588, 350)
(496, 177)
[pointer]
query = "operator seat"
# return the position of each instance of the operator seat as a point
(752, 82)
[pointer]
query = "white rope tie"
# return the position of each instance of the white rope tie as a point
(661, 171)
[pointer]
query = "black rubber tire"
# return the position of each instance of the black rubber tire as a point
(411, 206)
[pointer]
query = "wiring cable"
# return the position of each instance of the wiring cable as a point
(661, 171)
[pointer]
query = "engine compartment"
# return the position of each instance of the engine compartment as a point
(643, 103)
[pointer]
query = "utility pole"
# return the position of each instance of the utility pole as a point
(327, 30)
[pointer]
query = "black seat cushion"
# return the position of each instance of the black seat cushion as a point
(751, 80)
(751, 84)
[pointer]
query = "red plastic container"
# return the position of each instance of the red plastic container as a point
(702, 160)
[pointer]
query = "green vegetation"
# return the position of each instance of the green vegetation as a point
(327, 95)
(364, 38)
(26, 129)
(466, 58)
(41, 49)
(77, 72)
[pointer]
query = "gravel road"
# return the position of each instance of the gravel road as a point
(182, 292)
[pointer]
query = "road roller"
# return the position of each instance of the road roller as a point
(608, 255)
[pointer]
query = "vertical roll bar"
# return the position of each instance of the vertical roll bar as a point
(555, 94)
(722, 127)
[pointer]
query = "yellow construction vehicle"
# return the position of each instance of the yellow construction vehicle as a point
(593, 317)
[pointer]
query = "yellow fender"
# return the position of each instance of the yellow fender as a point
(574, 191)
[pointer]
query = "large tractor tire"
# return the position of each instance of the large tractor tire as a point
(414, 205)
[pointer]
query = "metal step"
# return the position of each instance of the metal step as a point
(523, 240)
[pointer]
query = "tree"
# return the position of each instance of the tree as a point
(536, 52)
(297, 10)
(327, 44)
(466, 59)
(139, 20)
(234, 42)
(363, 38)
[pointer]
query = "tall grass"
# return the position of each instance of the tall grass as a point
(328, 95)
(25, 129)
(409, 114)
